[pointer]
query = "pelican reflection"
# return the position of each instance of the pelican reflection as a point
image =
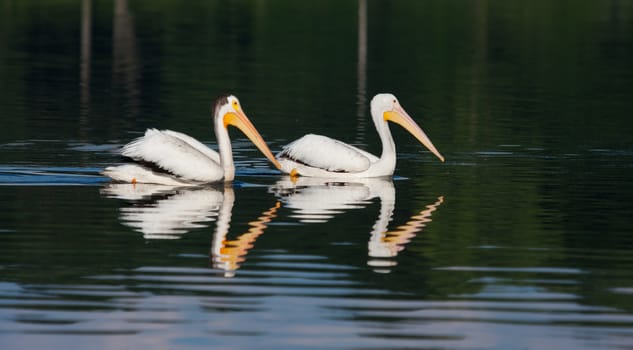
(318, 200)
(385, 244)
(167, 212)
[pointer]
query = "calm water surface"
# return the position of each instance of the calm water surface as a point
(521, 240)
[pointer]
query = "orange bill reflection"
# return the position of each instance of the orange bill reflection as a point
(228, 254)
(385, 244)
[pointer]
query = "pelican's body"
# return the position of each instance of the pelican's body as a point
(171, 158)
(321, 156)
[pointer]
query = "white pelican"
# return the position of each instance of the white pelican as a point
(171, 158)
(321, 156)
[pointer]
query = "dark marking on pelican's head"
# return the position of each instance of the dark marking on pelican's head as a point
(219, 102)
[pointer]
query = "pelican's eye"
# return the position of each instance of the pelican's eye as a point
(236, 106)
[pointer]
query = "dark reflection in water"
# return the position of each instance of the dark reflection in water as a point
(85, 60)
(125, 60)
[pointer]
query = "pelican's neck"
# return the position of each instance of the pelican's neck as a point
(226, 152)
(388, 156)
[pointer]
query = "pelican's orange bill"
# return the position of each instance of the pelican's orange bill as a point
(401, 117)
(240, 121)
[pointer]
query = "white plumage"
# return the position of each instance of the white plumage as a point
(178, 154)
(328, 154)
(321, 156)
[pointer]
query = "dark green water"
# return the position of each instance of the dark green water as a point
(521, 240)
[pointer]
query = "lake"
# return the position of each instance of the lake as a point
(520, 240)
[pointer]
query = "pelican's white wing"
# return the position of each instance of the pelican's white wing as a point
(176, 153)
(328, 154)
(192, 142)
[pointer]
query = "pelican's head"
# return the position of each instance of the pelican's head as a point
(387, 108)
(228, 111)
